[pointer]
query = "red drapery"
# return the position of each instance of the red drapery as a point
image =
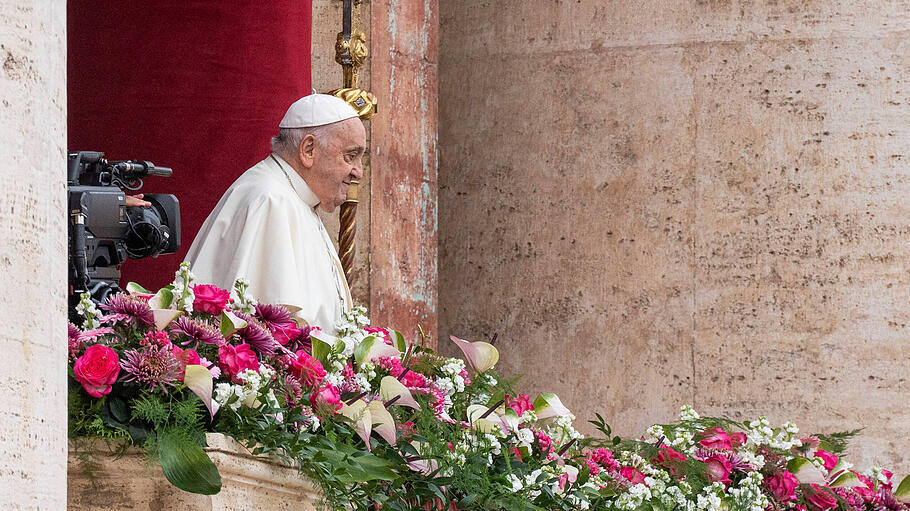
(198, 86)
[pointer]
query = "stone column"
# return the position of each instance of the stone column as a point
(404, 76)
(666, 202)
(33, 448)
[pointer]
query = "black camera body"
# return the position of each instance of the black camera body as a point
(103, 231)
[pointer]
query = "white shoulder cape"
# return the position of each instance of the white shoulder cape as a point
(265, 229)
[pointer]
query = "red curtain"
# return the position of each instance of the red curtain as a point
(198, 86)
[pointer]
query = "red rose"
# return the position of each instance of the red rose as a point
(307, 369)
(820, 499)
(235, 359)
(782, 486)
(97, 369)
(209, 298)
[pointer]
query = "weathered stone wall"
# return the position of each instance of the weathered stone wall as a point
(658, 203)
(33, 449)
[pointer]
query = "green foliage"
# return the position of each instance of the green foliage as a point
(836, 443)
(185, 464)
(151, 409)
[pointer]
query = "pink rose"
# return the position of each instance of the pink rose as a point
(668, 453)
(209, 298)
(307, 369)
(782, 486)
(286, 333)
(820, 499)
(719, 468)
(328, 397)
(520, 403)
(632, 474)
(739, 438)
(235, 359)
(670, 458)
(829, 460)
(97, 369)
(716, 438)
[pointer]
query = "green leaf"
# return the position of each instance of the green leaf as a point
(367, 468)
(902, 493)
(119, 410)
(186, 465)
(466, 501)
(322, 344)
(230, 323)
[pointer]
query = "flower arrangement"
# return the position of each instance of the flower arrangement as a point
(381, 423)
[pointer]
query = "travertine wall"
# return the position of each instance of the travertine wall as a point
(33, 449)
(667, 202)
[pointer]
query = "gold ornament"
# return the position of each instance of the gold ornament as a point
(361, 100)
(351, 54)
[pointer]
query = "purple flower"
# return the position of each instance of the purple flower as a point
(196, 332)
(156, 366)
(273, 316)
(123, 307)
(256, 335)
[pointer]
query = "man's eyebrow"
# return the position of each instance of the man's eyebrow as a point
(356, 149)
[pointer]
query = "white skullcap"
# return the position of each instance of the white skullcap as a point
(317, 110)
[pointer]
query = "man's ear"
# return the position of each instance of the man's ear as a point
(306, 150)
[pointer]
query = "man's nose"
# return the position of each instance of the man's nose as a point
(357, 170)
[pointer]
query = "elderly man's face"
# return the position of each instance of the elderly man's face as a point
(338, 162)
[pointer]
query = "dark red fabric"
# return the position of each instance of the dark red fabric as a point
(198, 86)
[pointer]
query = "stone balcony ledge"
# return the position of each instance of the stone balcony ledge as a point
(248, 482)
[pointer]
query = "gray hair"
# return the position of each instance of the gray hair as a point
(286, 142)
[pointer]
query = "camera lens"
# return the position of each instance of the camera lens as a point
(148, 235)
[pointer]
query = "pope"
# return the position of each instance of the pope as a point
(265, 228)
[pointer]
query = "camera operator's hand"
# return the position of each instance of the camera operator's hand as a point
(136, 200)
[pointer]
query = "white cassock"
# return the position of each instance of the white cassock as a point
(265, 229)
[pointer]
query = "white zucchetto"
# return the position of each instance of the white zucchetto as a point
(317, 110)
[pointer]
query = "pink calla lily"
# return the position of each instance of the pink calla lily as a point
(481, 356)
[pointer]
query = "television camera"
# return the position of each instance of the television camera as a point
(104, 231)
